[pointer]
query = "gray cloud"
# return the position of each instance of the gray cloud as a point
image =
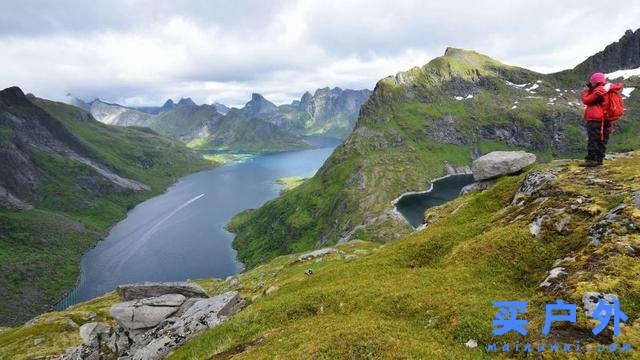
(142, 52)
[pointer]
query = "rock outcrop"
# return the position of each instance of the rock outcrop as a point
(152, 289)
(499, 163)
(151, 328)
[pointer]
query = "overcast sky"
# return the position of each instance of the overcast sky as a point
(143, 52)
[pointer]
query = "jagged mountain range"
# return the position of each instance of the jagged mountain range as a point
(423, 121)
(329, 112)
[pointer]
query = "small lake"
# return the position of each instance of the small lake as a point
(180, 234)
(413, 206)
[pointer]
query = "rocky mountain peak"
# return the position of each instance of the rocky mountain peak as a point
(259, 105)
(622, 54)
(13, 96)
(186, 101)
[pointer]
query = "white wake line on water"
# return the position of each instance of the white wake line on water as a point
(147, 235)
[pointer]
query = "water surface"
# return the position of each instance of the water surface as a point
(180, 234)
(413, 206)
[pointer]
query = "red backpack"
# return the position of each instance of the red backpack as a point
(613, 106)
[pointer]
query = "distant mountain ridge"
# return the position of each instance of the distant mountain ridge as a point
(328, 113)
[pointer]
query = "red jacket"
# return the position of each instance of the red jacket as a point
(595, 107)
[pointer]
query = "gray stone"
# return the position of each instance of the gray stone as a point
(477, 186)
(174, 332)
(81, 353)
(499, 163)
(471, 344)
(535, 227)
(72, 324)
(561, 225)
(551, 282)
(598, 231)
(39, 341)
(94, 333)
(119, 342)
(590, 301)
(153, 289)
(636, 199)
(146, 313)
(533, 182)
(317, 253)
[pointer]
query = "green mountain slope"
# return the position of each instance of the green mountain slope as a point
(429, 293)
(236, 132)
(186, 122)
(452, 109)
(64, 180)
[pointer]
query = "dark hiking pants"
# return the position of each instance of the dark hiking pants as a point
(597, 144)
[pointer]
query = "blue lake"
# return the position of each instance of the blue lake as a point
(180, 234)
(413, 206)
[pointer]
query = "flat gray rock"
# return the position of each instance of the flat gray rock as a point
(499, 163)
(146, 313)
(153, 289)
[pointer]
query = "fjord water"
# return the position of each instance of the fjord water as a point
(180, 234)
(413, 206)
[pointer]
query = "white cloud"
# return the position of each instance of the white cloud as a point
(142, 52)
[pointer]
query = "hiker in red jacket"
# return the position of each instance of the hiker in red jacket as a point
(598, 127)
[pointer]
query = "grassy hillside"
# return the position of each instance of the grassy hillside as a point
(455, 107)
(427, 294)
(238, 133)
(74, 206)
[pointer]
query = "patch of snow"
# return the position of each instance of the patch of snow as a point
(459, 98)
(539, 82)
(533, 97)
(626, 92)
(557, 90)
(515, 102)
(625, 74)
(469, 96)
(533, 87)
(514, 107)
(517, 85)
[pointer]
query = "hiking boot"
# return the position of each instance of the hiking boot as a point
(590, 163)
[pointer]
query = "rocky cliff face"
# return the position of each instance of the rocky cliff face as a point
(450, 110)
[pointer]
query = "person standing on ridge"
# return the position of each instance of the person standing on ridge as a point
(599, 127)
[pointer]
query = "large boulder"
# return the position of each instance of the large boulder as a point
(146, 313)
(153, 289)
(175, 331)
(499, 163)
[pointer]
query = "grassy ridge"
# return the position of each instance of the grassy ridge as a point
(41, 248)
